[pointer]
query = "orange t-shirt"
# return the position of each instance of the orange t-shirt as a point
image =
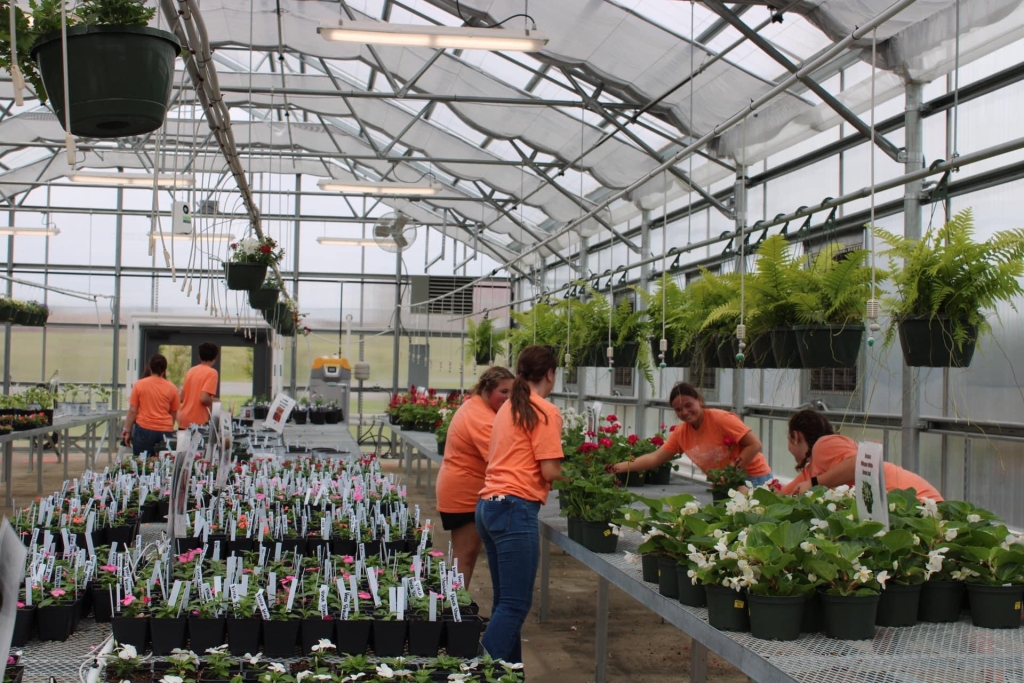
(465, 457)
(156, 400)
(198, 379)
(513, 462)
(707, 447)
(831, 450)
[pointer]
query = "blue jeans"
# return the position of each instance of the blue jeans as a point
(143, 440)
(763, 479)
(511, 538)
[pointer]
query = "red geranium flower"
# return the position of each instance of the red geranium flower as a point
(729, 442)
(606, 442)
(612, 418)
(657, 441)
(633, 438)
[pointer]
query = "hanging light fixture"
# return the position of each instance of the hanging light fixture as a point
(346, 241)
(436, 37)
(130, 179)
(381, 188)
(49, 231)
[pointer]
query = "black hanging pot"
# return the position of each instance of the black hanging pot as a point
(785, 348)
(728, 347)
(760, 355)
(483, 358)
(263, 298)
(829, 346)
(245, 276)
(119, 78)
(243, 636)
(673, 359)
(927, 342)
(705, 352)
(352, 636)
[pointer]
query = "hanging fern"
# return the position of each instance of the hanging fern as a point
(770, 289)
(948, 273)
(834, 289)
(483, 341)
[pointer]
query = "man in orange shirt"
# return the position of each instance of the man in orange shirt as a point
(199, 389)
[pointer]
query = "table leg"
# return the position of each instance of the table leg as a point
(430, 489)
(698, 662)
(8, 467)
(545, 576)
(31, 455)
(39, 461)
(67, 451)
(601, 640)
(419, 468)
(407, 456)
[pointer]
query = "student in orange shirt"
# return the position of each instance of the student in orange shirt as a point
(465, 460)
(827, 459)
(525, 456)
(152, 409)
(199, 389)
(708, 437)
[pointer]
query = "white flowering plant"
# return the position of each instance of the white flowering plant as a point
(123, 662)
(256, 250)
(775, 559)
(847, 555)
(993, 556)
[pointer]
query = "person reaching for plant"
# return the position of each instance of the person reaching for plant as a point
(525, 456)
(711, 438)
(465, 461)
(825, 458)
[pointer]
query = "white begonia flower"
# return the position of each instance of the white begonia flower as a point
(819, 524)
(615, 529)
(742, 536)
(172, 679)
(127, 652)
(808, 547)
(831, 507)
(863, 575)
(813, 578)
(718, 533)
(691, 507)
(842, 490)
(973, 519)
(950, 534)
(881, 577)
(625, 516)
(929, 508)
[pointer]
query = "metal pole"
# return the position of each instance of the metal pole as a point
(914, 161)
(581, 375)
(739, 384)
(396, 348)
(640, 422)
(7, 325)
(601, 639)
(115, 365)
(295, 281)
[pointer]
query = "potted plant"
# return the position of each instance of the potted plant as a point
(120, 71)
(946, 286)
(544, 324)
(352, 634)
(771, 306)
(722, 480)
(243, 629)
(206, 623)
(830, 304)
(483, 342)
(38, 314)
(24, 623)
(663, 309)
(724, 574)
(168, 627)
(56, 612)
(266, 296)
(250, 259)
(301, 412)
(130, 623)
(281, 632)
(994, 560)
(125, 664)
(218, 665)
(712, 313)
(424, 635)
(775, 553)
(447, 414)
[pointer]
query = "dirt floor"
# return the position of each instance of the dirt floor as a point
(641, 647)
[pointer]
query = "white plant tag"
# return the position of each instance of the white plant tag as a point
(433, 606)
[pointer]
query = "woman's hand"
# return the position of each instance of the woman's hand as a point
(802, 488)
(618, 467)
(126, 436)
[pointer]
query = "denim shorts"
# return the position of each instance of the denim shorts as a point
(760, 481)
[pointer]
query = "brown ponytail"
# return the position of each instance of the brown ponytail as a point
(532, 366)
(813, 425)
(490, 379)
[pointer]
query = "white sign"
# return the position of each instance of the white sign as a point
(279, 411)
(869, 483)
(12, 569)
(181, 219)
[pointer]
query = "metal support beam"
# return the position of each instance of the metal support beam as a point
(914, 140)
(640, 423)
(721, 10)
(116, 303)
(739, 383)
(396, 348)
(295, 279)
(489, 198)
(412, 122)
(422, 70)
(581, 375)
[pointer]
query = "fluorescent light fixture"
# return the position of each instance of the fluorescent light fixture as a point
(382, 188)
(215, 236)
(437, 37)
(346, 241)
(130, 179)
(41, 232)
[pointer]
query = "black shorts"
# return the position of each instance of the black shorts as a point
(450, 521)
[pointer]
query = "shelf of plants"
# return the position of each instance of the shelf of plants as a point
(799, 588)
(315, 564)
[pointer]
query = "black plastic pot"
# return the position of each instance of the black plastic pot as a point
(205, 633)
(371, 548)
(633, 479)
(14, 674)
(392, 547)
(299, 416)
(575, 529)
(292, 545)
(829, 346)
(149, 511)
(727, 609)
(333, 417)
(343, 546)
(687, 592)
(123, 535)
(263, 298)
(24, 626)
(441, 446)
(102, 604)
(388, 638)
(313, 631)
(260, 412)
(659, 476)
(167, 634)
(598, 537)
(462, 638)
(483, 358)
(314, 544)
(940, 601)
(134, 632)
(991, 606)
(54, 622)
(623, 355)
(280, 637)
(424, 637)
(240, 546)
(667, 582)
(245, 276)
(849, 617)
(759, 353)
(649, 567)
(776, 617)
(785, 348)
(927, 342)
(243, 636)
(898, 605)
(352, 636)
(811, 622)
(119, 78)
(183, 545)
(163, 506)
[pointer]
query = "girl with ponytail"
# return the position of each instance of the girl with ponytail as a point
(525, 457)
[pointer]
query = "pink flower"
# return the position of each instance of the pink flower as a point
(662, 426)
(184, 558)
(436, 553)
(109, 567)
(363, 595)
(288, 579)
(345, 576)
(127, 600)
(57, 592)
(358, 495)
(260, 496)
(379, 571)
(348, 559)
(20, 604)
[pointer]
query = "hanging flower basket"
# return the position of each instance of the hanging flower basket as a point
(120, 78)
(927, 342)
(786, 348)
(242, 276)
(673, 359)
(759, 352)
(829, 346)
(264, 298)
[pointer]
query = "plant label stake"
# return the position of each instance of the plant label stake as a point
(433, 606)
(354, 592)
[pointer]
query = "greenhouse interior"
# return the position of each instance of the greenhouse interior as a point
(686, 328)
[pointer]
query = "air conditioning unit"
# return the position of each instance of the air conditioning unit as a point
(425, 288)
